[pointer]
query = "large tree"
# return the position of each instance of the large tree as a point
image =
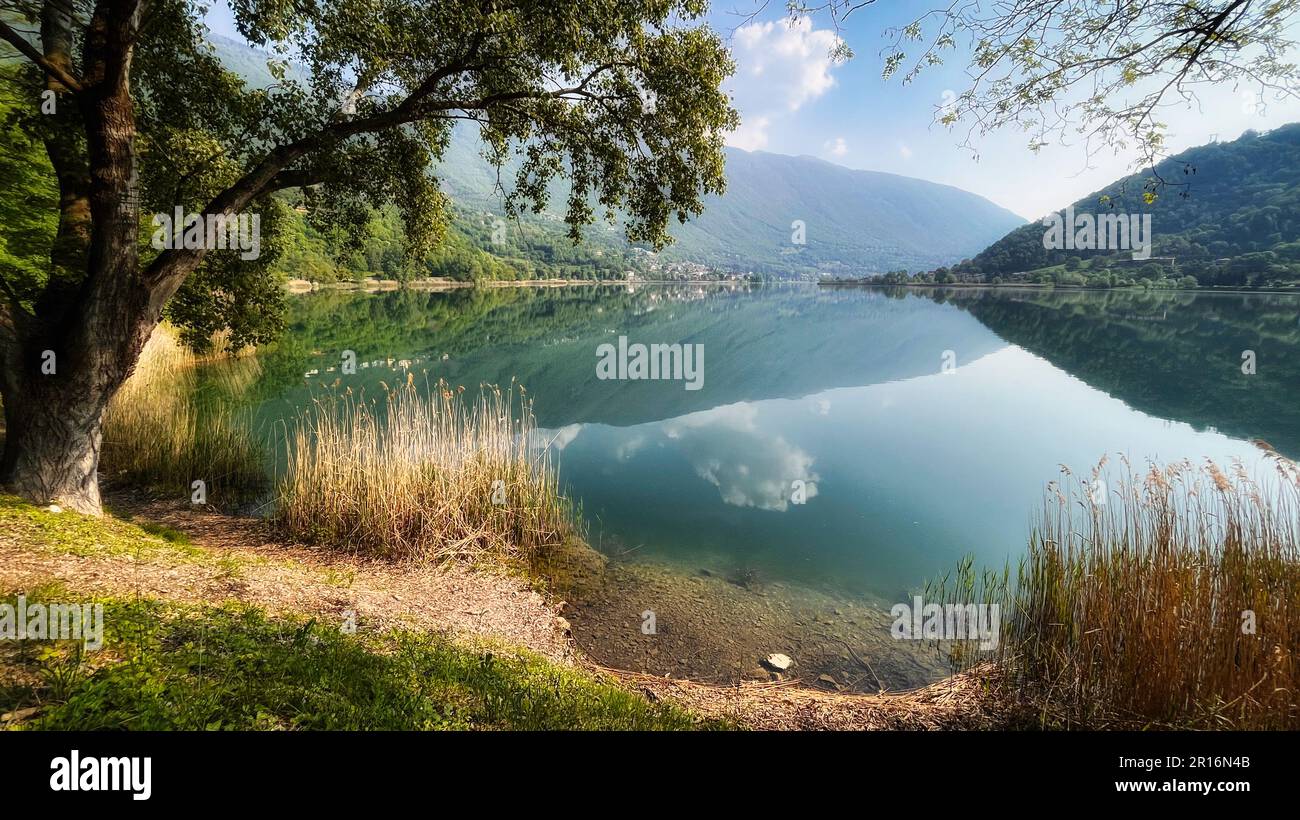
(137, 117)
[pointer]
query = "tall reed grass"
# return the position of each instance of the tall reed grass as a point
(162, 431)
(1170, 598)
(427, 473)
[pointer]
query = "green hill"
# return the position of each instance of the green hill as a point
(1229, 214)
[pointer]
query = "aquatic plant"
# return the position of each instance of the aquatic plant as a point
(1169, 598)
(422, 473)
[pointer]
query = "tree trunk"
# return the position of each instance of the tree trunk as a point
(52, 439)
(97, 324)
(96, 329)
(65, 145)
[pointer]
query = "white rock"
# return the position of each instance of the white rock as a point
(54, 508)
(778, 661)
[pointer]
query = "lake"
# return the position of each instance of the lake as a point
(844, 445)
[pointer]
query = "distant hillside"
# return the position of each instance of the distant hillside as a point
(855, 221)
(250, 63)
(1230, 216)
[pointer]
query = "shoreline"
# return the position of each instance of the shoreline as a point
(235, 560)
(298, 287)
(711, 628)
(1040, 286)
(301, 286)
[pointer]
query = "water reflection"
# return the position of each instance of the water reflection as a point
(827, 446)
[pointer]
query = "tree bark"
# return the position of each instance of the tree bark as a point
(52, 442)
(96, 330)
(65, 146)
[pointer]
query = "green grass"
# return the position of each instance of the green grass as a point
(89, 537)
(177, 666)
(169, 534)
(173, 667)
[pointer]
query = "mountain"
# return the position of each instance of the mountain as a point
(1228, 215)
(250, 63)
(854, 221)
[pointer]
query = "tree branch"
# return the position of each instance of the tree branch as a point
(170, 267)
(29, 51)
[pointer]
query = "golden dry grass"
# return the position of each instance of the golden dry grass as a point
(1174, 602)
(422, 473)
(160, 433)
(1167, 597)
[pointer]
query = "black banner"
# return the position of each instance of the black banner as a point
(138, 773)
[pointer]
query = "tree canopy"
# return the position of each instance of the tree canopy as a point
(620, 98)
(138, 117)
(1102, 72)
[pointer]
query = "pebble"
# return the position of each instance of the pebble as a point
(778, 661)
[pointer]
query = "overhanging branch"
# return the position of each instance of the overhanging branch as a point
(29, 51)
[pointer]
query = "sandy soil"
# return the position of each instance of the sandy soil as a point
(252, 567)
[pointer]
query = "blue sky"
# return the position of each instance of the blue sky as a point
(794, 100)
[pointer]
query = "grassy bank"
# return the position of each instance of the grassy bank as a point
(165, 666)
(89, 537)
(1164, 598)
(175, 664)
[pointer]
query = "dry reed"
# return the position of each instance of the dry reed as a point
(429, 474)
(160, 432)
(1170, 598)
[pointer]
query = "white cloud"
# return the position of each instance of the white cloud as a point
(751, 135)
(750, 466)
(836, 147)
(904, 151)
(540, 439)
(781, 66)
(630, 447)
(791, 57)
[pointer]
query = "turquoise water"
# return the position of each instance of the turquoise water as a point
(923, 425)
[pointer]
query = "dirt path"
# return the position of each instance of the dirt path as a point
(240, 560)
(245, 563)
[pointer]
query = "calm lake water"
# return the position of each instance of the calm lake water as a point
(905, 467)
